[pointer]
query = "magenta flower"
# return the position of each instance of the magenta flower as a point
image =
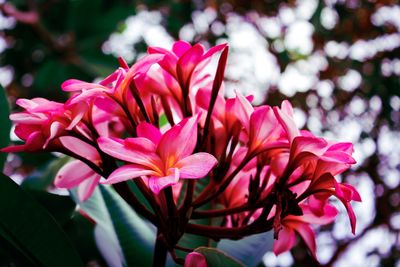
(164, 158)
(301, 225)
(39, 124)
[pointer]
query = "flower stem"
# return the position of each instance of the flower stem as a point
(160, 252)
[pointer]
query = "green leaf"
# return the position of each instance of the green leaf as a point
(217, 258)
(250, 249)
(27, 226)
(128, 237)
(135, 236)
(5, 125)
(60, 207)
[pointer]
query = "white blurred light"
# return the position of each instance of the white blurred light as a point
(298, 37)
(329, 18)
(350, 81)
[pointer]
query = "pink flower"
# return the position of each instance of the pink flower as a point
(301, 225)
(40, 123)
(163, 157)
(326, 186)
(260, 125)
(185, 61)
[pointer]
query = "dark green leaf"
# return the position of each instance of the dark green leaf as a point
(27, 225)
(60, 207)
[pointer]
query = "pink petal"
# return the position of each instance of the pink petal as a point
(13, 149)
(352, 216)
(136, 150)
(149, 131)
(87, 186)
(196, 166)
(347, 192)
(77, 85)
(313, 145)
(72, 174)
(180, 48)
(213, 50)
(26, 103)
(307, 234)
(287, 122)
(188, 62)
(263, 126)
(127, 172)
(328, 215)
(156, 184)
(34, 142)
(242, 109)
(23, 131)
(179, 141)
(80, 148)
(140, 67)
(168, 63)
(56, 128)
(285, 242)
(338, 157)
(78, 111)
(195, 259)
(344, 147)
(287, 108)
(27, 118)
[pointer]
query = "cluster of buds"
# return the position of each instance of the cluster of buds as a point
(165, 125)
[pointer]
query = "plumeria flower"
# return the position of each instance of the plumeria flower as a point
(164, 158)
(39, 124)
(301, 225)
(260, 125)
(185, 61)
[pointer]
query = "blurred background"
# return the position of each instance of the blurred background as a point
(337, 61)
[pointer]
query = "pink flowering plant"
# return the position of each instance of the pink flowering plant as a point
(202, 174)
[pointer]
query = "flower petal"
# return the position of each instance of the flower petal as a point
(195, 259)
(179, 141)
(80, 148)
(242, 109)
(285, 242)
(187, 63)
(135, 150)
(196, 166)
(127, 172)
(72, 174)
(180, 48)
(87, 186)
(149, 131)
(156, 184)
(308, 236)
(285, 117)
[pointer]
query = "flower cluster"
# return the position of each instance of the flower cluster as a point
(165, 124)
